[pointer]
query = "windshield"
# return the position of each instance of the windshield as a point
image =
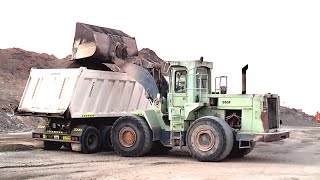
(202, 78)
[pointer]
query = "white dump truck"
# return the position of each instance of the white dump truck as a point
(92, 97)
(107, 79)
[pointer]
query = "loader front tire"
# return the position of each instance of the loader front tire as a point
(131, 136)
(209, 139)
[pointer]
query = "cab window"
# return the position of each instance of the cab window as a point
(180, 81)
(202, 78)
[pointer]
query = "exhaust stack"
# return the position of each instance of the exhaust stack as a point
(244, 79)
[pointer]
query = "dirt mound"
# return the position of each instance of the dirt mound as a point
(150, 55)
(294, 117)
(14, 72)
(16, 147)
(16, 142)
(16, 63)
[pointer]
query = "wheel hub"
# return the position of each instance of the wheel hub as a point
(127, 137)
(92, 140)
(205, 140)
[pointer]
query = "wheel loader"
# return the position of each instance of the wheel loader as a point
(111, 98)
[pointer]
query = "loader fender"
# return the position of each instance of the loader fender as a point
(153, 122)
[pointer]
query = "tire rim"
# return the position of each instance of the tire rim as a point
(92, 140)
(205, 140)
(127, 137)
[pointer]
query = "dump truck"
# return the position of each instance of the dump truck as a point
(114, 99)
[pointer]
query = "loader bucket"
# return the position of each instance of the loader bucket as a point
(96, 43)
(94, 46)
(140, 74)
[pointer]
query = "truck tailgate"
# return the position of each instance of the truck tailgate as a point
(49, 91)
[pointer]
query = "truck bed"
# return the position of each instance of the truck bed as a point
(84, 93)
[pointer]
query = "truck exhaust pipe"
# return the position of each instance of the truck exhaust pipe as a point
(244, 79)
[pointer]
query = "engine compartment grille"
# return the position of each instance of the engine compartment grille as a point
(272, 105)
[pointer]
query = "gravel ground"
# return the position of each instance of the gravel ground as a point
(295, 158)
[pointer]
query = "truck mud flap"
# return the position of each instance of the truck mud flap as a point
(38, 144)
(41, 128)
(77, 131)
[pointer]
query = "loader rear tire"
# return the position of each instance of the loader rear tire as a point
(90, 141)
(209, 139)
(50, 145)
(131, 136)
(105, 133)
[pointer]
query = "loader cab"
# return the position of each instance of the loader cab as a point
(190, 82)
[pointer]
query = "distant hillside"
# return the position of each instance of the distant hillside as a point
(294, 117)
(14, 72)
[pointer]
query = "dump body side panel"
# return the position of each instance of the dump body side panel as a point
(107, 94)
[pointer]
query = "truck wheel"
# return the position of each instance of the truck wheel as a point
(131, 136)
(50, 145)
(158, 148)
(106, 144)
(237, 152)
(90, 141)
(209, 139)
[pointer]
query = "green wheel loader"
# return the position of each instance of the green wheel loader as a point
(211, 123)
